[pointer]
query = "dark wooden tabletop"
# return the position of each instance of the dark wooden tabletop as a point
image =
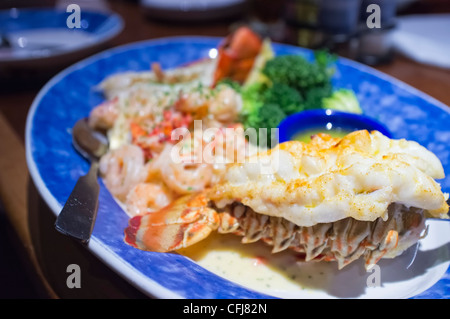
(28, 221)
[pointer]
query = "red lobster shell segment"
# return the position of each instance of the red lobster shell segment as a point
(192, 218)
(237, 54)
(184, 222)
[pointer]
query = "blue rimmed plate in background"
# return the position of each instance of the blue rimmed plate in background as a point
(55, 167)
(31, 37)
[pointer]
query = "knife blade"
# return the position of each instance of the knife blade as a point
(77, 218)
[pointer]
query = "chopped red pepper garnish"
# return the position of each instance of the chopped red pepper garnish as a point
(163, 130)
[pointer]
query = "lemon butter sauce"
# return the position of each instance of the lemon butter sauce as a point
(254, 266)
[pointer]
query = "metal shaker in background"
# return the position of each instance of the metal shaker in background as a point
(323, 23)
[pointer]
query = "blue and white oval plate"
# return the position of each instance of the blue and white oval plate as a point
(55, 166)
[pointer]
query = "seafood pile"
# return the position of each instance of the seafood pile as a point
(148, 116)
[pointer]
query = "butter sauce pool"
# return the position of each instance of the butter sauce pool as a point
(255, 267)
(305, 136)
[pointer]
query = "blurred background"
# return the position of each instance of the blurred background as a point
(410, 41)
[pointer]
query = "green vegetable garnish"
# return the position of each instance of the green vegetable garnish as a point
(343, 100)
(290, 84)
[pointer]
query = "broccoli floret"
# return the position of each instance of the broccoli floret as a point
(267, 116)
(294, 85)
(343, 100)
(265, 107)
(253, 92)
(258, 115)
(251, 100)
(325, 59)
(297, 72)
(314, 97)
(288, 98)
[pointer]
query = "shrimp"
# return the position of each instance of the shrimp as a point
(104, 115)
(182, 176)
(229, 145)
(226, 104)
(147, 197)
(157, 70)
(185, 178)
(122, 169)
(222, 103)
(194, 102)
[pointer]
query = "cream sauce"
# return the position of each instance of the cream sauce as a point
(254, 266)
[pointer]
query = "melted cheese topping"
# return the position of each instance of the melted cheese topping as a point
(330, 179)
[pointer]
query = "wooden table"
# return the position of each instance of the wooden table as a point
(44, 252)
